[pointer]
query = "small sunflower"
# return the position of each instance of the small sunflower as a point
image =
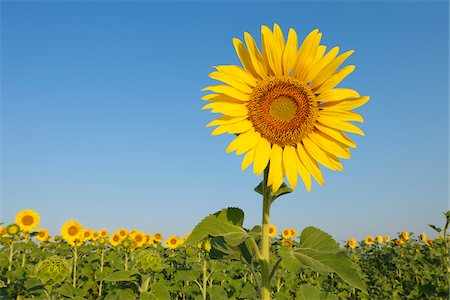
(287, 242)
(351, 243)
(3, 231)
(293, 232)
(13, 229)
(71, 232)
(158, 237)
(387, 238)
(115, 239)
(87, 234)
(123, 233)
(42, 235)
(138, 238)
(429, 242)
(148, 239)
(172, 242)
(103, 233)
(379, 239)
(95, 235)
(27, 219)
(284, 106)
(286, 233)
(369, 240)
(423, 236)
(405, 235)
(272, 230)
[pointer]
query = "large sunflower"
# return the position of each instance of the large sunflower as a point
(27, 219)
(71, 231)
(284, 106)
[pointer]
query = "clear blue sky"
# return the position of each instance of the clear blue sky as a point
(102, 119)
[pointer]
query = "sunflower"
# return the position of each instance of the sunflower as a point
(284, 106)
(172, 242)
(27, 219)
(158, 237)
(379, 239)
(369, 240)
(138, 238)
(87, 234)
(42, 235)
(123, 233)
(148, 239)
(13, 229)
(115, 239)
(288, 243)
(71, 231)
(423, 236)
(405, 235)
(351, 243)
(3, 231)
(103, 233)
(286, 233)
(387, 238)
(95, 235)
(272, 230)
(429, 242)
(293, 232)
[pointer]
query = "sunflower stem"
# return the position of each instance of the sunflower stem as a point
(265, 244)
(75, 259)
(10, 260)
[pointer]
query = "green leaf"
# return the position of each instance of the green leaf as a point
(159, 291)
(120, 276)
(227, 223)
(283, 190)
(306, 292)
(437, 229)
(320, 252)
(218, 292)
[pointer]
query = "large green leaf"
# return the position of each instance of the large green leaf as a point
(319, 251)
(227, 223)
(307, 292)
(159, 291)
(120, 276)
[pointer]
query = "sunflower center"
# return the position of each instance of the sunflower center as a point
(27, 220)
(173, 241)
(73, 230)
(283, 110)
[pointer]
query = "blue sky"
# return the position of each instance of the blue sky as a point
(102, 119)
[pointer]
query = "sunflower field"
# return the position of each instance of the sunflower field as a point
(82, 263)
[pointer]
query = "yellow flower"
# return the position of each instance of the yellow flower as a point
(13, 229)
(3, 231)
(429, 242)
(115, 239)
(286, 233)
(158, 237)
(123, 233)
(103, 233)
(351, 243)
(293, 232)
(172, 242)
(71, 232)
(42, 235)
(272, 230)
(207, 246)
(87, 234)
(379, 239)
(287, 242)
(405, 236)
(138, 238)
(369, 240)
(284, 106)
(185, 237)
(423, 236)
(25, 234)
(27, 219)
(148, 239)
(95, 235)
(387, 238)
(399, 242)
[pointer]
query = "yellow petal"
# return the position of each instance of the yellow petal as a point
(346, 104)
(343, 115)
(244, 142)
(290, 165)
(271, 52)
(248, 159)
(278, 36)
(276, 176)
(228, 90)
(221, 98)
(290, 52)
(244, 57)
(330, 145)
(326, 72)
(310, 164)
(255, 55)
(304, 174)
(232, 81)
(229, 109)
(239, 127)
(304, 51)
(238, 72)
(307, 61)
(336, 134)
(335, 79)
(318, 154)
(225, 120)
(316, 68)
(262, 156)
(341, 125)
(337, 94)
(319, 54)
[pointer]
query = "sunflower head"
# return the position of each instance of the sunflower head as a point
(284, 106)
(351, 243)
(138, 237)
(423, 237)
(387, 238)
(405, 235)
(13, 229)
(53, 270)
(42, 235)
(95, 235)
(148, 261)
(272, 230)
(172, 242)
(87, 234)
(158, 237)
(115, 239)
(72, 233)
(287, 242)
(369, 240)
(3, 231)
(27, 219)
(103, 233)
(379, 239)
(286, 233)
(123, 233)
(293, 232)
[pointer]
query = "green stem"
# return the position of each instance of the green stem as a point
(102, 263)
(205, 278)
(11, 253)
(126, 261)
(265, 243)
(75, 259)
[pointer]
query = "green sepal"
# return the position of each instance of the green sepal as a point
(283, 190)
